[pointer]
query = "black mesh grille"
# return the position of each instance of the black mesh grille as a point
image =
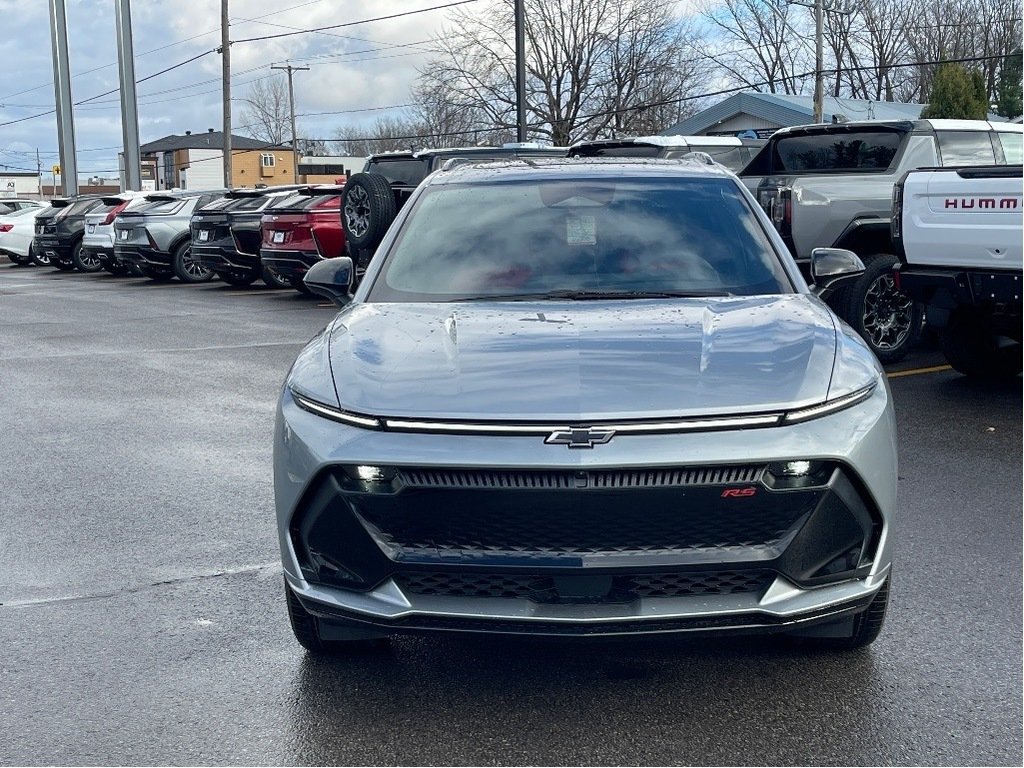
(623, 588)
(554, 480)
(435, 524)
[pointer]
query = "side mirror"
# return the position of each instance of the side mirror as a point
(830, 265)
(331, 278)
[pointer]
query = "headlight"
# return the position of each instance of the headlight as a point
(332, 413)
(829, 406)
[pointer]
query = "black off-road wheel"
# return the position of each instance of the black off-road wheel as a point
(885, 317)
(341, 638)
(367, 209)
(978, 353)
(85, 260)
(188, 269)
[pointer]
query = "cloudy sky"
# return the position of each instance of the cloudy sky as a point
(358, 67)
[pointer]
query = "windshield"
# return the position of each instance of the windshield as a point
(591, 238)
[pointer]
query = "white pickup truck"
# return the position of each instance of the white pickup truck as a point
(958, 232)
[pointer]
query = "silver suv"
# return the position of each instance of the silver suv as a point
(155, 239)
(584, 399)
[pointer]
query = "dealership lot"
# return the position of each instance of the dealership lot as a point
(143, 619)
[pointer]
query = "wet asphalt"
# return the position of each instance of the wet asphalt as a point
(143, 621)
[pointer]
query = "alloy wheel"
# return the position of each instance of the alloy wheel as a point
(888, 314)
(357, 211)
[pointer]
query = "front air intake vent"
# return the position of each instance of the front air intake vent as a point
(569, 480)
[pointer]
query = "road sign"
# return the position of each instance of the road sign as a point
(56, 169)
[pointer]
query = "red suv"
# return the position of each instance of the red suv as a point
(301, 230)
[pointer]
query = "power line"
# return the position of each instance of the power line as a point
(666, 102)
(114, 90)
(351, 23)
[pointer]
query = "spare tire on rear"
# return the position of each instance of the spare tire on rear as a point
(367, 210)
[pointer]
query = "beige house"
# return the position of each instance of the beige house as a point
(196, 161)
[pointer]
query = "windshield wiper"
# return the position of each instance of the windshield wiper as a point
(592, 295)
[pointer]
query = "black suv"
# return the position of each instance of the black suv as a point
(374, 197)
(59, 233)
(226, 235)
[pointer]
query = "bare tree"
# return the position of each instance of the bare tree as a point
(764, 48)
(387, 134)
(592, 65)
(265, 115)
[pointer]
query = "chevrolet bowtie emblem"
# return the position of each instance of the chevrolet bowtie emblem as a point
(580, 437)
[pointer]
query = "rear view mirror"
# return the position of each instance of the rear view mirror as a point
(830, 265)
(331, 278)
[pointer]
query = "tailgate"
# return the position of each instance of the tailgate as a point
(968, 219)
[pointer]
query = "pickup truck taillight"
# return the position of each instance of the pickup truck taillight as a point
(778, 204)
(896, 222)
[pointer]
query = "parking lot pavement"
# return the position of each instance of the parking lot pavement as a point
(142, 617)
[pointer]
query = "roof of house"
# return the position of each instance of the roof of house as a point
(205, 140)
(788, 110)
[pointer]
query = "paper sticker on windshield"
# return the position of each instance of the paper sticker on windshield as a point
(581, 230)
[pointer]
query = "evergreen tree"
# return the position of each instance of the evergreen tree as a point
(955, 95)
(1008, 89)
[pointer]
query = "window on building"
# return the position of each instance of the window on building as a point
(267, 160)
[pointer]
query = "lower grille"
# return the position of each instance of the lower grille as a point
(548, 480)
(612, 589)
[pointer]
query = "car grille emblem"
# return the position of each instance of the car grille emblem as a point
(580, 437)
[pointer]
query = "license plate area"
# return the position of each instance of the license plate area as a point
(204, 235)
(278, 237)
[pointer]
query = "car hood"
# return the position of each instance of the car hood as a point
(583, 360)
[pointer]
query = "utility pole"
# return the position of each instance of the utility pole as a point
(62, 90)
(520, 71)
(291, 106)
(39, 174)
(129, 103)
(819, 57)
(819, 12)
(225, 48)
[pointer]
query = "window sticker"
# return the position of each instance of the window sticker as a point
(581, 230)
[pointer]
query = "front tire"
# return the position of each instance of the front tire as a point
(886, 318)
(867, 625)
(187, 269)
(309, 632)
(978, 353)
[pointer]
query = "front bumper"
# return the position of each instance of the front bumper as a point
(354, 557)
(289, 264)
